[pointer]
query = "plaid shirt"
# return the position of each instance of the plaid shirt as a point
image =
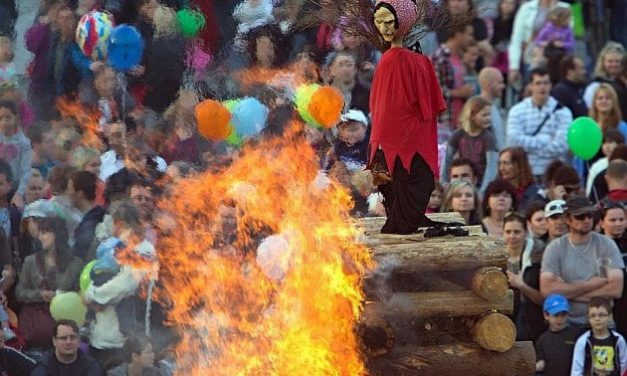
(446, 77)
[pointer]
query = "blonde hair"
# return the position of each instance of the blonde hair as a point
(7, 40)
(609, 48)
(166, 24)
(615, 115)
(453, 189)
(470, 109)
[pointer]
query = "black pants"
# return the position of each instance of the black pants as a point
(406, 197)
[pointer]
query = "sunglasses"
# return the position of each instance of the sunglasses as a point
(581, 217)
(515, 215)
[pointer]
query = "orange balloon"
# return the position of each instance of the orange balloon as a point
(326, 106)
(213, 120)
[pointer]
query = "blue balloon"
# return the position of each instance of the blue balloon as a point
(125, 47)
(249, 117)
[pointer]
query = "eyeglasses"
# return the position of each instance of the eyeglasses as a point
(71, 337)
(598, 315)
(583, 216)
(515, 215)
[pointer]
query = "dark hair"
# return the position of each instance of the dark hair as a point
(64, 322)
(457, 162)
(135, 344)
(518, 156)
(456, 29)
(36, 131)
(607, 205)
(144, 182)
(494, 188)
(5, 169)
(533, 208)
(600, 302)
(58, 178)
(619, 153)
(279, 43)
(566, 175)
(515, 217)
(86, 182)
(567, 63)
(549, 172)
(538, 72)
(57, 226)
(614, 135)
(118, 185)
(126, 212)
(9, 105)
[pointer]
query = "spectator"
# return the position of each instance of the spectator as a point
(351, 147)
(41, 276)
(569, 89)
(449, 70)
(554, 348)
(599, 184)
(538, 124)
(605, 109)
(571, 264)
(529, 20)
(81, 190)
(35, 187)
(41, 137)
(514, 168)
(561, 181)
(28, 240)
(13, 362)
(611, 139)
(139, 357)
(341, 73)
(7, 66)
(463, 169)
(555, 222)
(616, 178)
(502, 27)
(499, 199)
(607, 70)
(557, 31)
(523, 274)
(15, 149)
(536, 220)
(491, 86)
(60, 201)
(599, 350)
(66, 359)
(108, 97)
(435, 200)
(474, 141)
(462, 197)
(88, 159)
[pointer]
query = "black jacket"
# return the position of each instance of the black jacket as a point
(570, 94)
(85, 232)
(84, 365)
(14, 363)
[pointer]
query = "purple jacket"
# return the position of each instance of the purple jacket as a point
(550, 32)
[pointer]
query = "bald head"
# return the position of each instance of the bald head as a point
(491, 83)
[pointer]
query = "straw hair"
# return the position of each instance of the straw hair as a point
(472, 107)
(615, 115)
(610, 47)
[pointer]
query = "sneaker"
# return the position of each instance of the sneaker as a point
(8, 334)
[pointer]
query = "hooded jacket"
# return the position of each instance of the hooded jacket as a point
(582, 355)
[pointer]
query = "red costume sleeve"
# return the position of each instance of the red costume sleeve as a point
(405, 100)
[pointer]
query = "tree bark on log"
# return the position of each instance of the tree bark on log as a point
(489, 282)
(440, 255)
(441, 303)
(462, 359)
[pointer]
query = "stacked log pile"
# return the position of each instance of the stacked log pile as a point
(439, 306)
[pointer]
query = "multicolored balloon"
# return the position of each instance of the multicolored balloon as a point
(92, 33)
(302, 99)
(126, 47)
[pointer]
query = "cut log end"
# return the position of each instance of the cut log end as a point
(376, 335)
(494, 331)
(490, 283)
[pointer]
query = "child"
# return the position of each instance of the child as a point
(7, 66)
(599, 351)
(435, 200)
(557, 31)
(474, 141)
(351, 147)
(554, 348)
(15, 149)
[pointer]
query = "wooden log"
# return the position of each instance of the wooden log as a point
(441, 255)
(377, 336)
(374, 238)
(461, 359)
(494, 331)
(375, 223)
(489, 282)
(440, 303)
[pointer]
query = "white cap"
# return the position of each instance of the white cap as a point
(354, 115)
(554, 207)
(39, 209)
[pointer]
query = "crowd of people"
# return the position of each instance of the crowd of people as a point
(86, 152)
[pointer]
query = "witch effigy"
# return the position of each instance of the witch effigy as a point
(405, 100)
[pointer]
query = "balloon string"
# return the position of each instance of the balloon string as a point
(594, 189)
(123, 85)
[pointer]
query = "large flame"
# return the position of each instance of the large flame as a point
(287, 307)
(86, 118)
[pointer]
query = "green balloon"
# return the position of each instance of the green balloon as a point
(68, 306)
(191, 21)
(85, 278)
(234, 139)
(584, 138)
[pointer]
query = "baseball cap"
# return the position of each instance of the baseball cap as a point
(579, 205)
(354, 115)
(554, 207)
(555, 303)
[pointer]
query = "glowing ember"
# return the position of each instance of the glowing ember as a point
(286, 307)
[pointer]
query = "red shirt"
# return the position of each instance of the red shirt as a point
(405, 100)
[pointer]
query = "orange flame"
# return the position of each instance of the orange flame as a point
(286, 307)
(86, 118)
